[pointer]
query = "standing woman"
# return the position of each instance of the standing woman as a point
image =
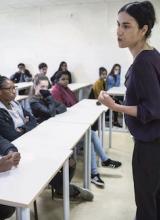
(142, 104)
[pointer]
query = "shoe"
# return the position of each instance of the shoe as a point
(95, 178)
(117, 124)
(82, 193)
(111, 163)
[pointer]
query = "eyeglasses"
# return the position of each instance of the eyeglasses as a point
(10, 88)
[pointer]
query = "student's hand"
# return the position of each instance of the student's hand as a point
(6, 163)
(45, 93)
(15, 157)
(105, 99)
(19, 130)
(26, 119)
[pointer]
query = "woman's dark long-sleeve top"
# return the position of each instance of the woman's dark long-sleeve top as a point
(44, 108)
(8, 133)
(143, 91)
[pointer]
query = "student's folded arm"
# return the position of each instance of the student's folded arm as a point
(40, 109)
(60, 108)
(6, 146)
(147, 89)
(31, 123)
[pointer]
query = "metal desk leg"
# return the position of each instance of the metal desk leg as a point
(66, 204)
(80, 94)
(22, 213)
(110, 128)
(100, 135)
(87, 160)
(103, 127)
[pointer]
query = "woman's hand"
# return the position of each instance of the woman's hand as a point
(105, 99)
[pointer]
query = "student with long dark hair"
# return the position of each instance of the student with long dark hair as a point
(142, 104)
(114, 77)
(62, 67)
(63, 94)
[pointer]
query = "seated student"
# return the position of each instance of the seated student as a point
(113, 80)
(63, 94)
(99, 85)
(43, 68)
(14, 120)
(23, 75)
(43, 107)
(11, 158)
(63, 68)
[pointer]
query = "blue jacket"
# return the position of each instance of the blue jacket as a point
(112, 82)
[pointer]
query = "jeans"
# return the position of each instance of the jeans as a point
(96, 148)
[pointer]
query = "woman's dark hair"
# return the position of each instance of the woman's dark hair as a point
(59, 74)
(2, 80)
(42, 65)
(60, 65)
(39, 78)
(101, 70)
(21, 64)
(143, 12)
(114, 66)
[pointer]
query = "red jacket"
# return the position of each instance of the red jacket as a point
(64, 95)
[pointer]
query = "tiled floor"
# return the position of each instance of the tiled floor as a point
(114, 202)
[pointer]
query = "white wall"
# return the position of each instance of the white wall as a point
(84, 35)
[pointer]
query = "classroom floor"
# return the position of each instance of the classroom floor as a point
(114, 202)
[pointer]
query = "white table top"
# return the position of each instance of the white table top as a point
(23, 85)
(80, 114)
(54, 135)
(77, 86)
(43, 151)
(117, 91)
(21, 97)
(20, 186)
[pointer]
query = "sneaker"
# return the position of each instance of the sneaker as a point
(83, 193)
(95, 178)
(111, 163)
(117, 124)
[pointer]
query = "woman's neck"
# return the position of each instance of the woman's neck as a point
(139, 47)
(7, 104)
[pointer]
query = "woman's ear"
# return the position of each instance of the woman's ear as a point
(144, 29)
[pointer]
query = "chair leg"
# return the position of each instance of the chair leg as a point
(35, 210)
(52, 189)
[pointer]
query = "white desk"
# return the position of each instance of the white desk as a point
(21, 97)
(79, 87)
(85, 112)
(115, 91)
(20, 187)
(23, 85)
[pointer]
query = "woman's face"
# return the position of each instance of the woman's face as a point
(43, 85)
(64, 80)
(64, 67)
(128, 32)
(8, 91)
(116, 70)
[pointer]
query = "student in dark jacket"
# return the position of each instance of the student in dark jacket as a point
(23, 75)
(63, 68)
(44, 106)
(14, 120)
(42, 103)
